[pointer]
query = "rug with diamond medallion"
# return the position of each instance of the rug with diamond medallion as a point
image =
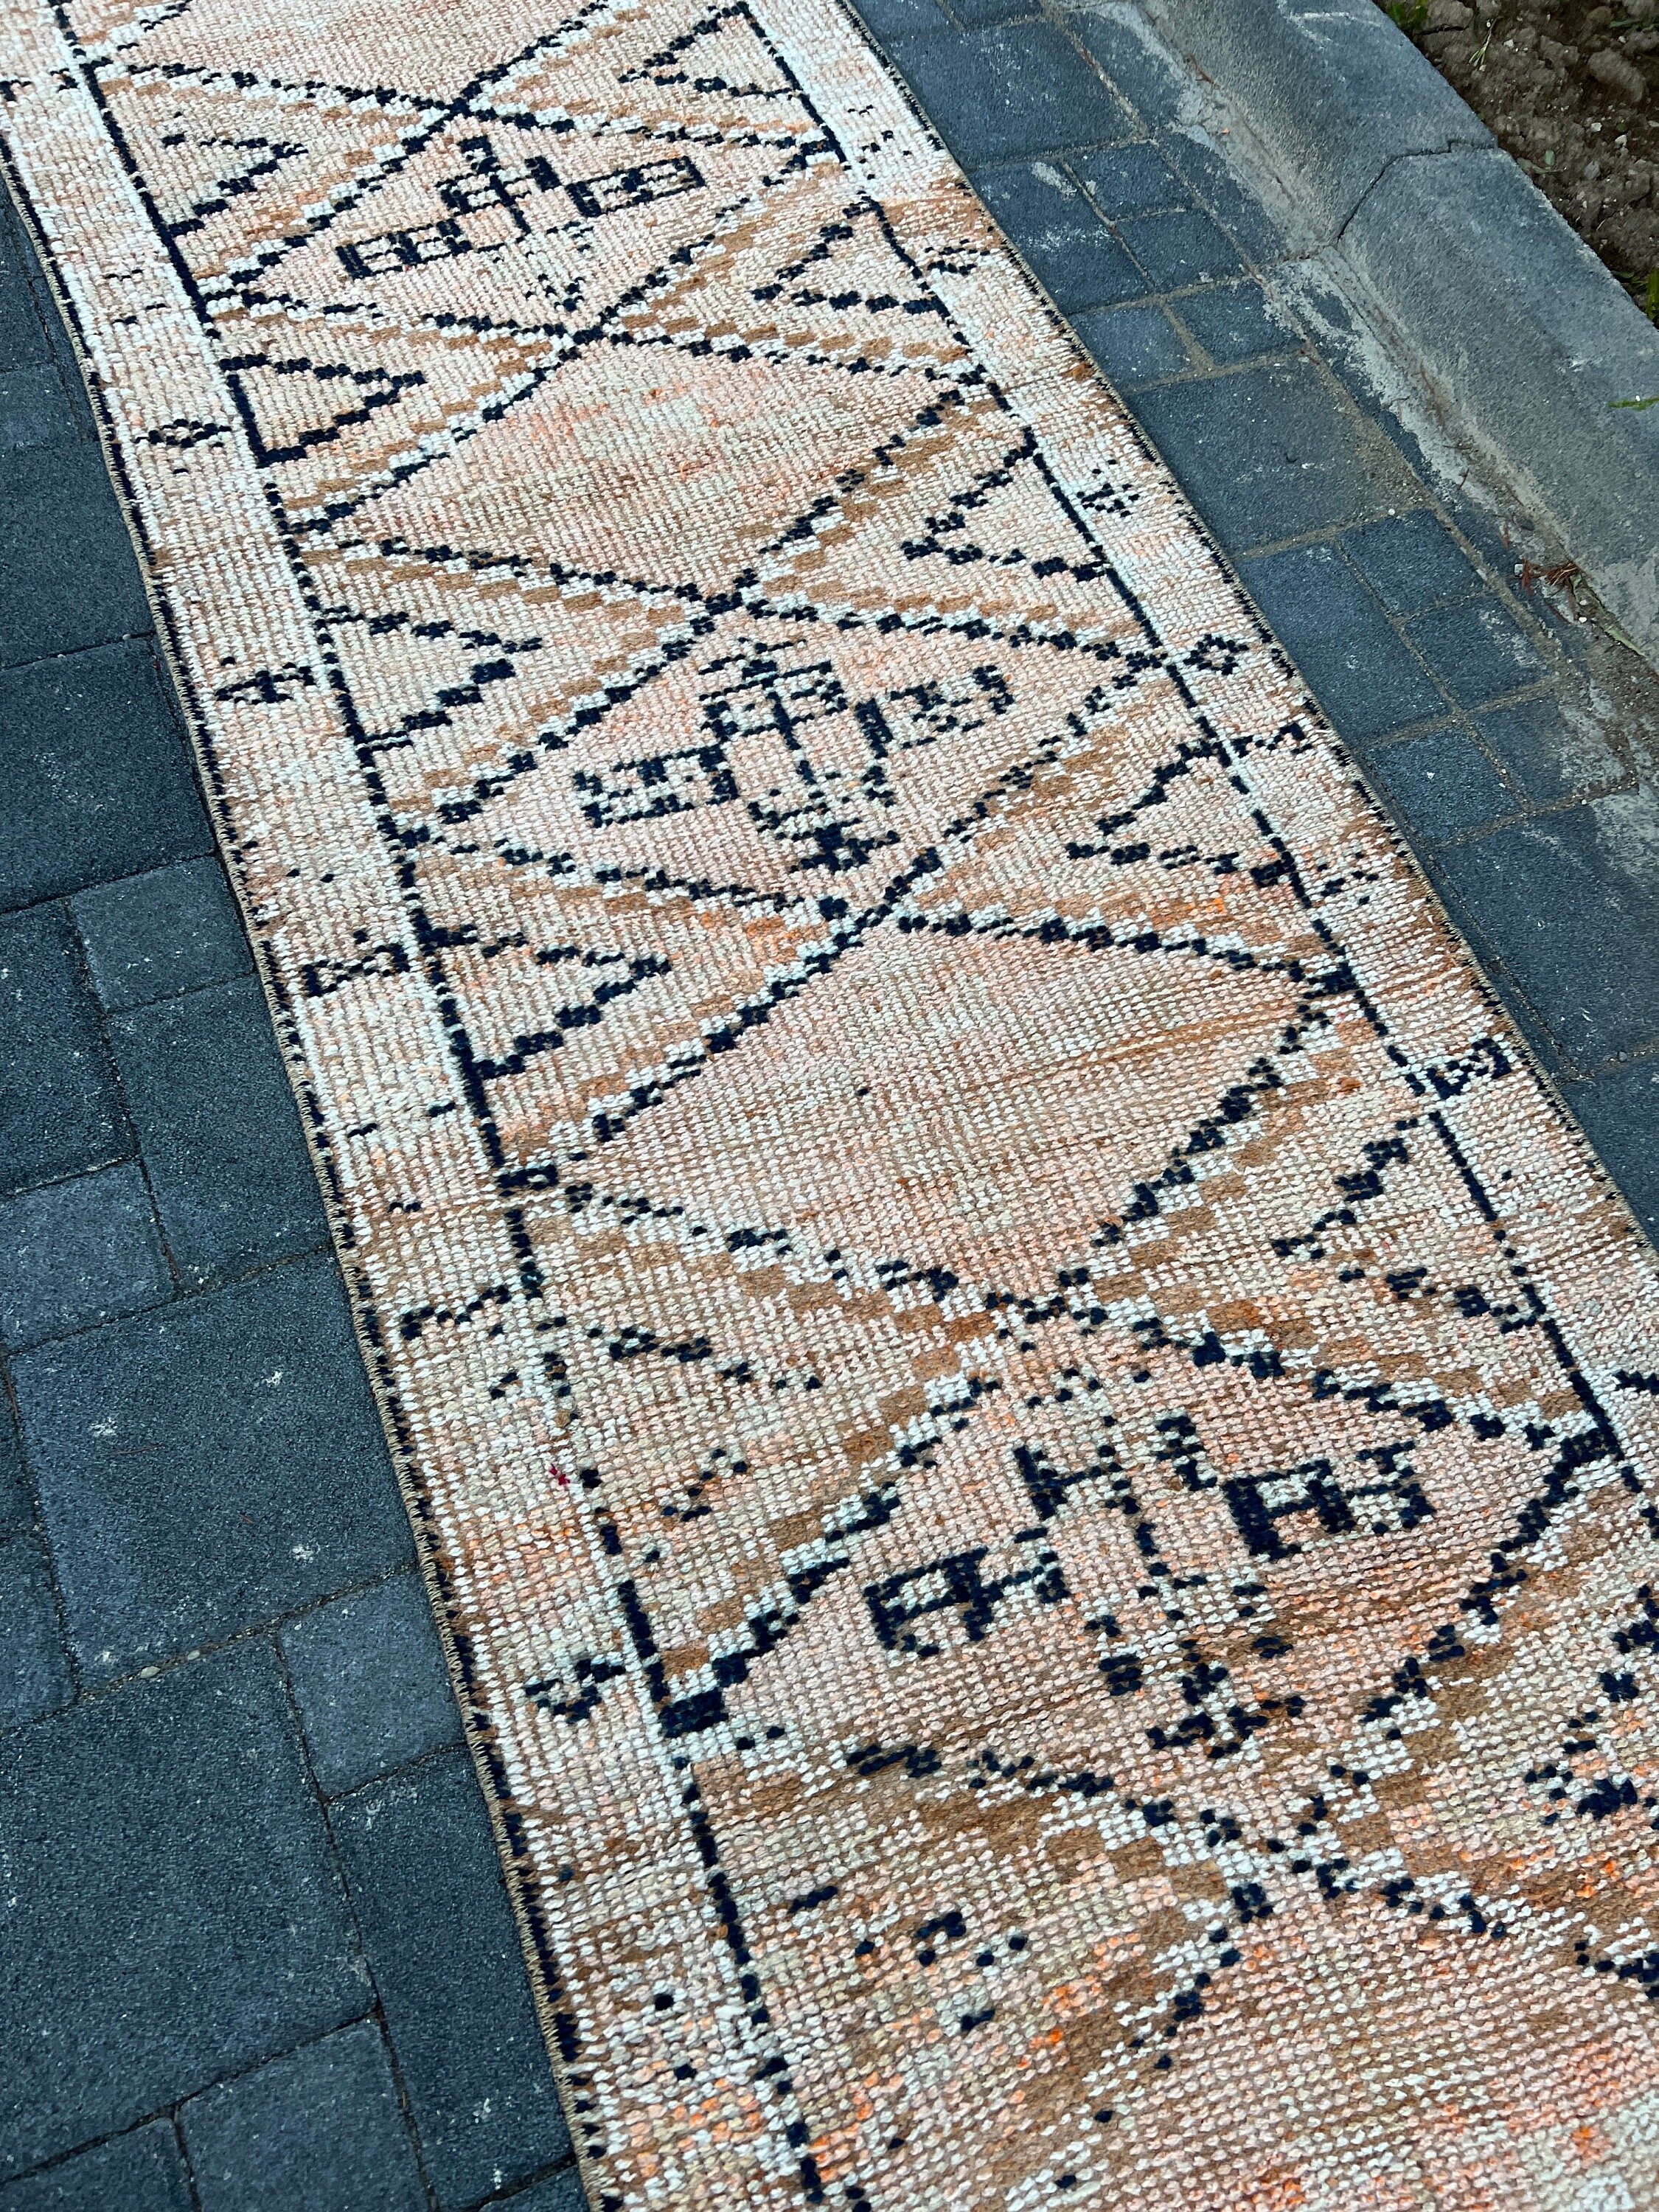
(1036, 1442)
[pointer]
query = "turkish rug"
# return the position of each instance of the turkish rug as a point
(1037, 1443)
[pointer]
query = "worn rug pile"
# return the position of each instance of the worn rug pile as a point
(1034, 1437)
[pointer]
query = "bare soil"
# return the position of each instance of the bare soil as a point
(1572, 92)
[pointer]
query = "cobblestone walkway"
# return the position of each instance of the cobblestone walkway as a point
(253, 1952)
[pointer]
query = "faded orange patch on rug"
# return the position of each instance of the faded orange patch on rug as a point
(1036, 1441)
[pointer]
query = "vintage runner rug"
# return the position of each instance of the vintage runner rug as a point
(1038, 1445)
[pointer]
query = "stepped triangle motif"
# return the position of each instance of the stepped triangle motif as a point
(1037, 1444)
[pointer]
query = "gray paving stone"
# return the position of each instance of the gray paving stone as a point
(977, 13)
(1548, 755)
(1234, 323)
(1071, 252)
(370, 1681)
(138, 2173)
(1477, 650)
(209, 1466)
(317, 2130)
(22, 335)
(219, 1132)
(1441, 784)
(1129, 180)
(1196, 160)
(173, 929)
(1367, 682)
(442, 1943)
(555, 2192)
(68, 578)
(1133, 344)
(1139, 72)
(34, 407)
(901, 19)
(97, 779)
(34, 1675)
(1267, 453)
(78, 1252)
(59, 1110)
(1619, 1112)
(1536, 340)
(1570, 903)
(1004, 94)
(1180, 249)
(1412, 561)
(172, 1913)
(16, 1501)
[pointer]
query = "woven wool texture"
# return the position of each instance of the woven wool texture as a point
(1036, 1440)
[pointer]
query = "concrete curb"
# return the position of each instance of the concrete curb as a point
(1524, 339)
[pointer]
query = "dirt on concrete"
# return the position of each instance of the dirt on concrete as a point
(1571, 90)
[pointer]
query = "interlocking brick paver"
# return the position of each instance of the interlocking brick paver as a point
(1477, 651)
(1195, 159)
(170, 930)
(1234, 323)
(59, 1110)
(1070, 250)
(97, 780)
(1146, 80)
(1129, 180)
(172, 1913)
(1003, 95)
(977, 13)
(34, 408)
(1180, 249)
(34, 1675)
(1569, 902)
(902, 18)
(78, 1252)
(556, 2192)
(1441, 784)
(16, 1504)
(1133, 343)
(1411, 561)
(67, 574)
(1267, 454)
(1620, 1113)
(442, 1947)
(1548, 753)
(371, 1684)
(209, 1466)
(1366, 680)
(141, 2171)
(317, 2130)
(23, 336)
(210, 1101)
